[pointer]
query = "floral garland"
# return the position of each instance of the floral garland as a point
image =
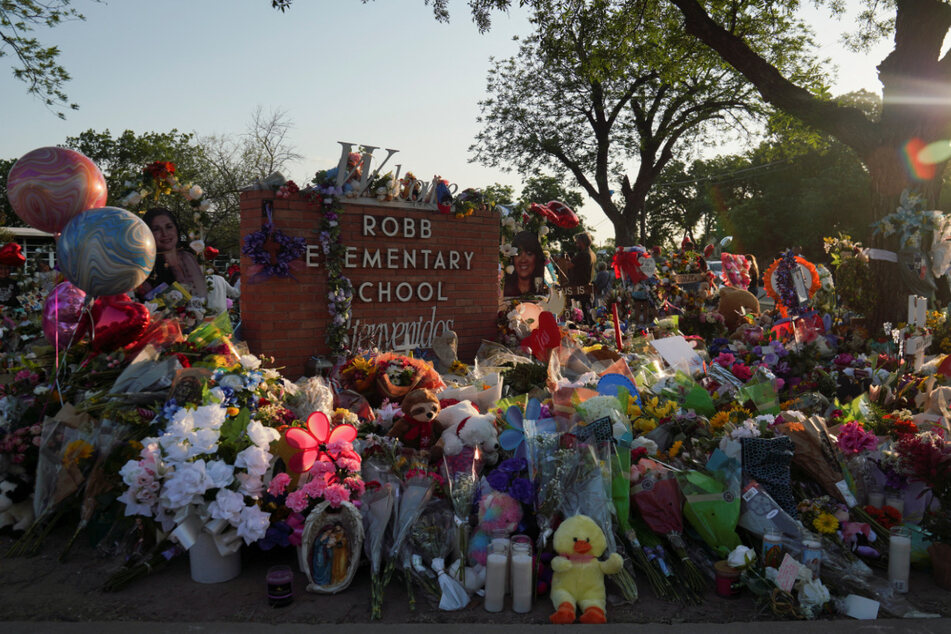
(784, 290)
(339, 287)
(264, 265)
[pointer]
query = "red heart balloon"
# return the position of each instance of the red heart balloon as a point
(117, 321)
(564, 217)
(211, 253)
(545, 338)
(543, 210)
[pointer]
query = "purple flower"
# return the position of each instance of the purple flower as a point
(499, 479)
(522, 490)
(512, 465)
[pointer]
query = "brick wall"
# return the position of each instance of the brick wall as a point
(285, 318)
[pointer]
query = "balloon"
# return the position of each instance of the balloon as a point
(529, 312)
(117, 321)
(12, 255)
(106, 251)
(61, 313)
(544, 338)
(557, 212)
(50, 185)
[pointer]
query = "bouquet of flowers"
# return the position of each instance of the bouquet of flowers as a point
(376, 508)
(203, 454)
(660, 502)
(359, 373)
(397, 375)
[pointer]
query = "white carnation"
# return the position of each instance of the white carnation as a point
(220, 474)
(227, 506)
(184, 485)
(253, 524)
(260, 435)
(255, 460)
(249, 362)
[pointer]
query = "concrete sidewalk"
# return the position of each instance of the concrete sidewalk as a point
(892, 626)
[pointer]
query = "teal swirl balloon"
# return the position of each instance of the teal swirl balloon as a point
(106, 251)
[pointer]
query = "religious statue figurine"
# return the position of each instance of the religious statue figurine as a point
(341, 555)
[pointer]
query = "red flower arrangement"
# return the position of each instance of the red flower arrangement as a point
(887, 516)
(159, 170)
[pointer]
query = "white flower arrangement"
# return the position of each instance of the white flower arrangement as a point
(183, 467)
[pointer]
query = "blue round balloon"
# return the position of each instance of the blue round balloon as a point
(106, 251)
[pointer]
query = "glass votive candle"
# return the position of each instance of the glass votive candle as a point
(899, 558)
(280, 586)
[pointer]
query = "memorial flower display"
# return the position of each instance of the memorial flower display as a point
(710, 459)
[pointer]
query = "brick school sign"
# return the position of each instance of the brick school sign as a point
(416, 274)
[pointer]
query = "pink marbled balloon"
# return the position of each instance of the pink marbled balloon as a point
(50, 185)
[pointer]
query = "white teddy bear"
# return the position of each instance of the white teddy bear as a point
(16, 504)
(464, 426)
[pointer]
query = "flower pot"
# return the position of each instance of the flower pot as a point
(331, 546)
(941, 564)
(210, 566)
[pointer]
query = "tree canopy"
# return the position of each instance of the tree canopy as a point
(36, 64)
(605, 84)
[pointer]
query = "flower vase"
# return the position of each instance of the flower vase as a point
(941, 564)
(208, 565)
(859, 469)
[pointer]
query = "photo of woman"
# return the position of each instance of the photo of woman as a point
(173, 261)
(527, 278)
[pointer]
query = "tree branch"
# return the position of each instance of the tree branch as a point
(847, 124)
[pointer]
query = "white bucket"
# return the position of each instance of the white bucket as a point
(208, 565)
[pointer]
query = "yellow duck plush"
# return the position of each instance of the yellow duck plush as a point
(578, 581)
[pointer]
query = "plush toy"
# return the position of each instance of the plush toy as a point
(418, 427)
(578, 580)
(16, 504)
(498, 513)
(731, 301)
(464, 427)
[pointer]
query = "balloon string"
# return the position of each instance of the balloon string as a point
(56, 330)
(87, 310)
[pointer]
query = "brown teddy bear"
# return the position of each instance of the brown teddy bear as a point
(732, 300)
(418, 428)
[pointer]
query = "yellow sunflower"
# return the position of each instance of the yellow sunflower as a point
(826, 523)
(76, 452)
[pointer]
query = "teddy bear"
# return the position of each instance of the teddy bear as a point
(466, 430)
(732, 302)
(498, 513)
(418, 427)
(16, 504)
(578, 579)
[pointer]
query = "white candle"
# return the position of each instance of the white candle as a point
(496, 564)
(876, 498)
(897, 502)
(899, 558)
(502, 540)
(521, 565)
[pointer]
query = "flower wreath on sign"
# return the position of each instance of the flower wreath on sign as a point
(781, 286)
(273, 253)
(684, 282)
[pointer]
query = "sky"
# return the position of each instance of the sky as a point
(384, 74)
